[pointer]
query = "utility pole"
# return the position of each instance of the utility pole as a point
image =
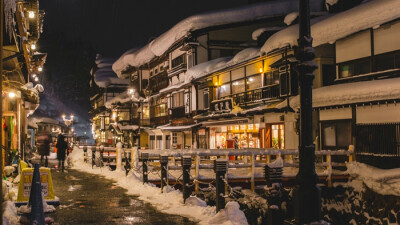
(307, 195)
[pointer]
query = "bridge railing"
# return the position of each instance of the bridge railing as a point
(203, 159)
(248, 158)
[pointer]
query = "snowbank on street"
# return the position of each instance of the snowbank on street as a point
(384, 182)
(231, 215)
(171, 201)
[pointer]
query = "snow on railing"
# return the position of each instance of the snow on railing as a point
(202, 160)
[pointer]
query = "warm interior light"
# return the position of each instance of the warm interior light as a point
(250, 79)
(130, 90)
(11, 94)
(261, 70)
(216, 83)
(31, 14)
(40, 69)
(34, 75)
(33, 46)
(36, 79)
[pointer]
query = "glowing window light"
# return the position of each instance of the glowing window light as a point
(11, 95)
(31, 14)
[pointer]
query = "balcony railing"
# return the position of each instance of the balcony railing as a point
(264, 93)
(160, 120)
(178, 112)
(177, 69)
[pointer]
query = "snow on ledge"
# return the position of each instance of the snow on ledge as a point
(368, 15)
(355, 92)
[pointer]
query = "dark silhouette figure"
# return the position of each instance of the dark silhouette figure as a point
(62, 147)
(43, 141)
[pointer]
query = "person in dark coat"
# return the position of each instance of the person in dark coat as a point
(62, 147)
(43, 142)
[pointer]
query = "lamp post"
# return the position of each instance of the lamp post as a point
(307, 195)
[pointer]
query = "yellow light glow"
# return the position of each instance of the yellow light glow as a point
(216, 83)
(40, 69)
(36, 79)
(33, 46)
(31, 14)
(11, 94)
(261, 70)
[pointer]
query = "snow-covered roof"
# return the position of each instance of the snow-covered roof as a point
(356, 92)
(205, 20)
(32, 123)
(259, 31)
(208, 67)
(205, 68)
(46, 120)
(328, 30)
(104, 75)
(124, 97)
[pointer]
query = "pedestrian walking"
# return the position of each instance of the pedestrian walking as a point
(43, 142)
(62, 147)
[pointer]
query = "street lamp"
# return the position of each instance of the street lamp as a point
(67, 121)
(307, 195)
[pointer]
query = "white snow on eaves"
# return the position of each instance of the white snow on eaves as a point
(206, 68)
(248, 13)
(355, 92)
(252, 12)
(289, 18)
(259, 31)
(104, 75)
(368, 15)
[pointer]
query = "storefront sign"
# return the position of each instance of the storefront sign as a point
(187, 102)
(222, 105)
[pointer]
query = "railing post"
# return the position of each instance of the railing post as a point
(145, 159)
(268, 158)
(252, 172)
(164, 171)
(186, 164)
(329, 167)
(127, 164)
(85, 156)
(118, 156)
(101, 155)
(93, 156)
(273, 176)
(197, 173)
(220, 167)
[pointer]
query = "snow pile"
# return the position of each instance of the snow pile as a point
(231, 215)
(277, 163)
(384, 182)
(340, 94)
(289, 18)
(171, 201)
(368, 15)
(183, 29)
(195, 201)
(10, 213)
(104, 75)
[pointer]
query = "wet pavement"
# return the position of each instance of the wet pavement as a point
(90, 199)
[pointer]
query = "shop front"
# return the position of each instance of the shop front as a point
(236, 133)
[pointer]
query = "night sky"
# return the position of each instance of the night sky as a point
(76, 30)
(113, 26)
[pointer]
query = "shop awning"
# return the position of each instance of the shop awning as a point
(177, 128)
(225, 122)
